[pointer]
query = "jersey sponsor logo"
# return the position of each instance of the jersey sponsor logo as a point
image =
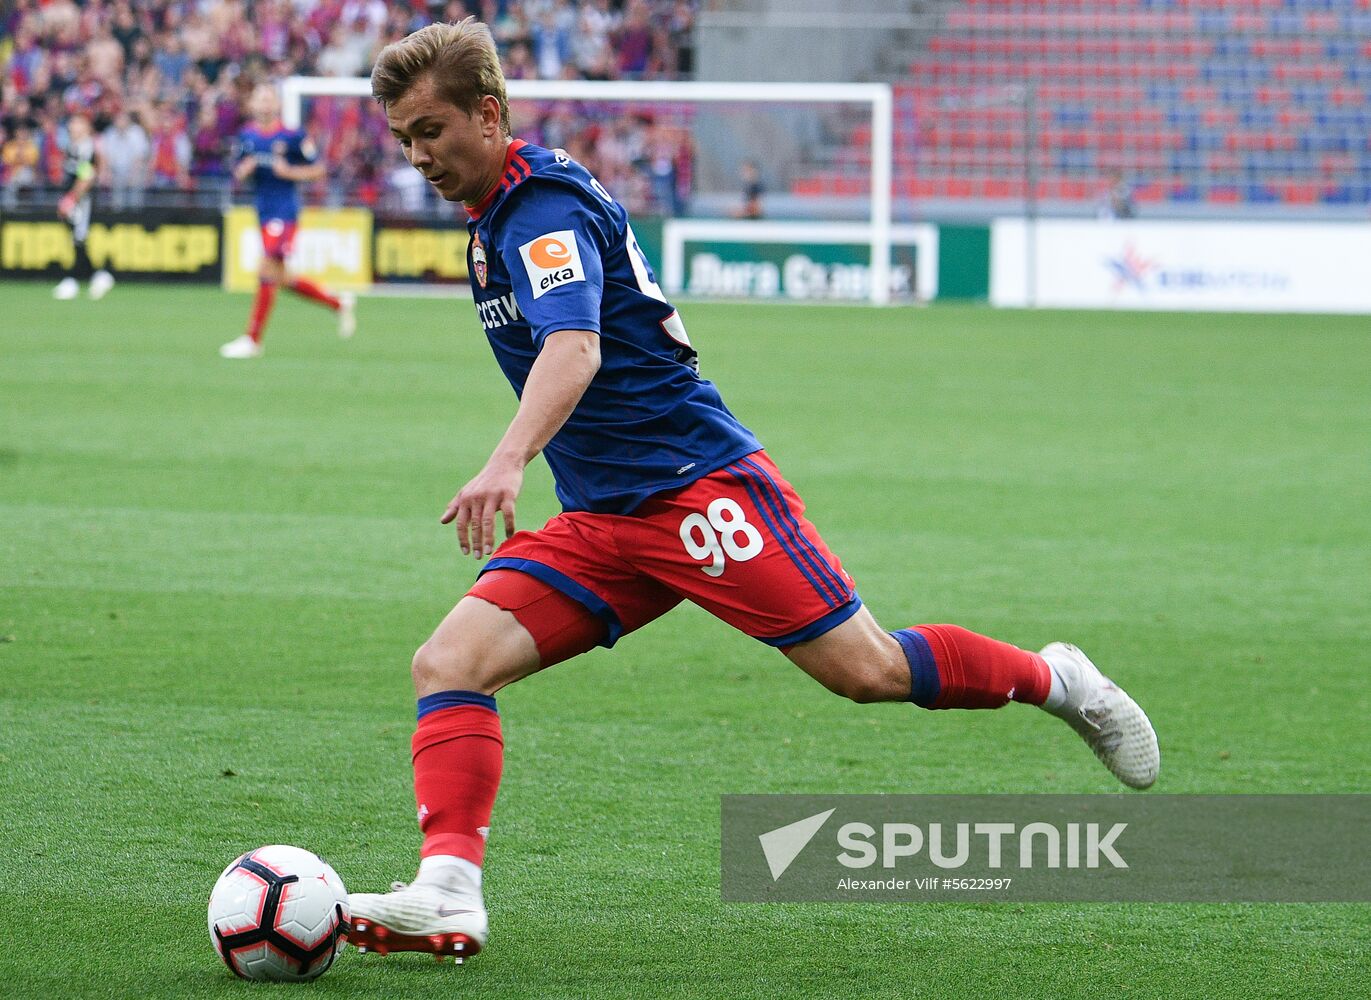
(552, 260)
(478, 260)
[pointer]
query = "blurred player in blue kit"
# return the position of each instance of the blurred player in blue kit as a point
(276, 159)
(666, 497)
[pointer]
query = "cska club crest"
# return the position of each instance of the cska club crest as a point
(478, 260)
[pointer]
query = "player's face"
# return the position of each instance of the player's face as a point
(462, 155)
(263, 105)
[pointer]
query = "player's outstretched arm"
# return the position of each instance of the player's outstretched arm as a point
(559, 378)
(298, 171)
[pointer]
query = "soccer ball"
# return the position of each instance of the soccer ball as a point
(279, 913)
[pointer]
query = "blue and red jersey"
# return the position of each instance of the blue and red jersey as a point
(551, 250)
(275, 197)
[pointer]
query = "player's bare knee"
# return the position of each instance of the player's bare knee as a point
(862, 664)
(425, 668)
(445, 667)
(885, 674)
(866, 684)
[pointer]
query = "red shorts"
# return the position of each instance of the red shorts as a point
(278, 236)
(735, 542)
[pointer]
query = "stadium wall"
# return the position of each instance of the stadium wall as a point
(1184, 265)
(784, 40)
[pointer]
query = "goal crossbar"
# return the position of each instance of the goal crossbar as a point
(878, 96)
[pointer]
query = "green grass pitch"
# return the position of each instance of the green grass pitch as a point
(213, 575)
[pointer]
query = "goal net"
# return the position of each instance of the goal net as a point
(731, 186)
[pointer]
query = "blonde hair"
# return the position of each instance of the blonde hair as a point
(460, 57)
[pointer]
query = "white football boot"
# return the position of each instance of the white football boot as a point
(441, 912)
(1110, 722)
(241, 347)
(66, 290)
(100, 284)
(347, 315)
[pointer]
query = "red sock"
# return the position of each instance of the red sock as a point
(261, 309)
(309, 290)
(952, 667)
(458, 755)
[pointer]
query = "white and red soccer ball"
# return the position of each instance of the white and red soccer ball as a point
(279, 913)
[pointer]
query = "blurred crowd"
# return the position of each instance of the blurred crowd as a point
(165, 83)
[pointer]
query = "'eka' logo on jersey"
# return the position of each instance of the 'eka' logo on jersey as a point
(552, 260)
(478, 260)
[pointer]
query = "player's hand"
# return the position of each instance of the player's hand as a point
(280, 167)
(493, 491)
(66, 206)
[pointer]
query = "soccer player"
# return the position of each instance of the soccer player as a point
(666, 497)
(276, 158)
(79, 168)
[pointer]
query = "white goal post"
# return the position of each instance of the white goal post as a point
(878, 96)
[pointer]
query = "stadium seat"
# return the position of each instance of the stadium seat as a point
(1270, 91)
